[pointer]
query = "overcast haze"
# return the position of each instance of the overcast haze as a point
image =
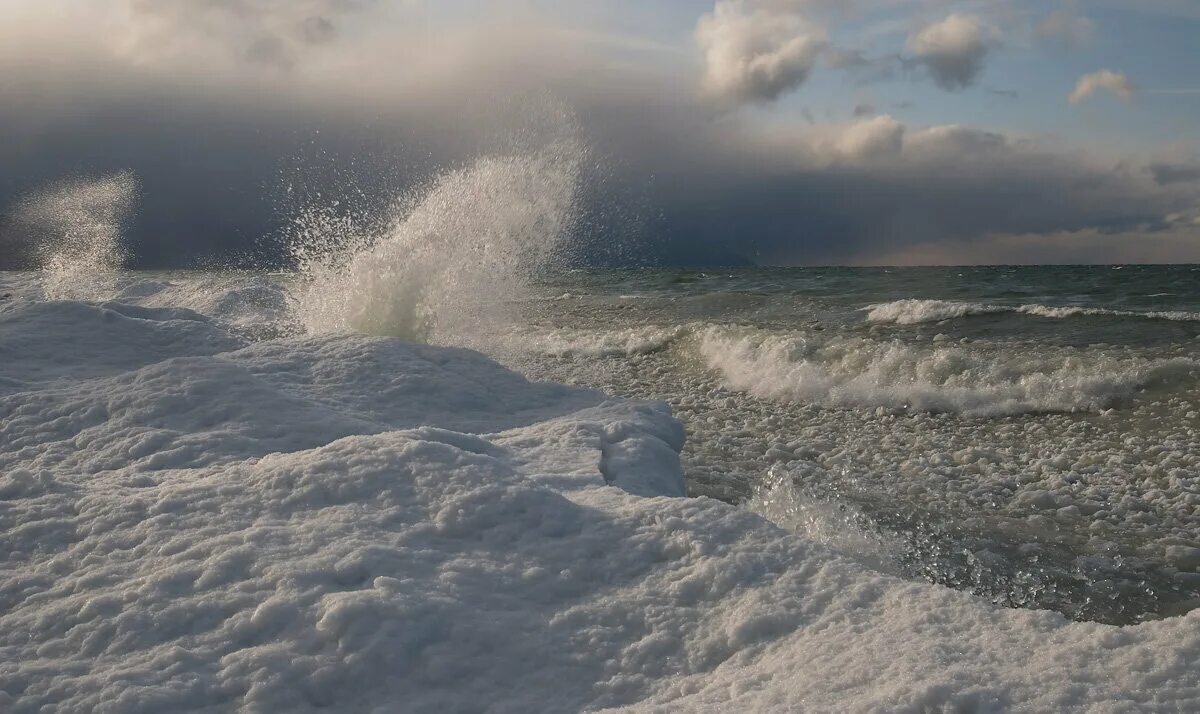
(765, 131)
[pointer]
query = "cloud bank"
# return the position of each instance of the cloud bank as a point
(360, 102)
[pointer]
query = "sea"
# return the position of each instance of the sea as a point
(1027, 434)
(428, 457)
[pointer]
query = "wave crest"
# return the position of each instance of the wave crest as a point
(610, 343)
(862, 373)
(912, 311)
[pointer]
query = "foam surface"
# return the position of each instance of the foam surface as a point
(364, 525)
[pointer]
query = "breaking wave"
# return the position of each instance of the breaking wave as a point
(914, 312)
(601, 343)
(855, 372)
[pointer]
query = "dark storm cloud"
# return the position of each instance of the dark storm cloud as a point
(226, 145)
(947, 185)
(1166, 174)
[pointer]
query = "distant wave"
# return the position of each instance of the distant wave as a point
(603, 343)
(914, 312)
(853, 372)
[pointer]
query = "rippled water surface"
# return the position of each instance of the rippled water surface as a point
(1026, 433)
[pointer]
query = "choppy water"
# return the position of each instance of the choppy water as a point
(1028, 433)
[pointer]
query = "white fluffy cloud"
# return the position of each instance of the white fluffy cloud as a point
(756, 51)
(1106, 79)
(871, 138)
(953, 50)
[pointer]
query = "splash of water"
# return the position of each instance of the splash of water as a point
(453, 264)
(837, 525)
(76, 230)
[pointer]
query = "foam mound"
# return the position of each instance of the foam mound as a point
(47, 341)
(357, 524)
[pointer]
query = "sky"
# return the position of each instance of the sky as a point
(777, 132)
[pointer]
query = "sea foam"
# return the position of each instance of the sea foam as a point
(360, 524)
(594, 344)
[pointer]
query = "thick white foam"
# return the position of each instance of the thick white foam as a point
(253, 304)
(452, 264)
(360, 524)
(844, 371)
(914, 312)
(44, 342)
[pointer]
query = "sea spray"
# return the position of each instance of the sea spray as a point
(75, 231)
(452, 264)
(833, 523)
